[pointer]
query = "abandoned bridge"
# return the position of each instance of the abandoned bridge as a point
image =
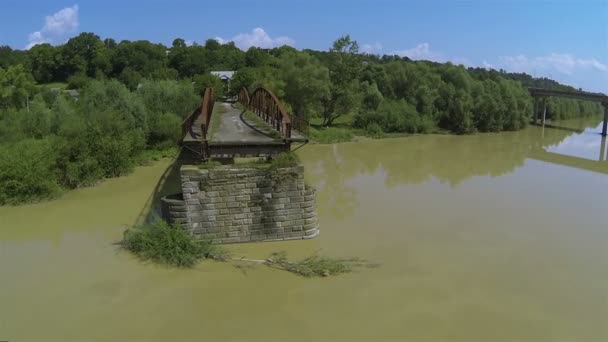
(256, 125)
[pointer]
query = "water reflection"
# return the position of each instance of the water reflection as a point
(587, 144)
(448, 159)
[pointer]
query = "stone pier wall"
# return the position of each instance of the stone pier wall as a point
(244, 204)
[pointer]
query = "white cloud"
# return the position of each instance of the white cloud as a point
(487, 65)
(56, 27)
(560, 62)
(420, 51)
(371, 48)
(258, 38)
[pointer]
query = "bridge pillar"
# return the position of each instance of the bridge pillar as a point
(603, 149)
(544, 110)
(536, 109)
(605, 126)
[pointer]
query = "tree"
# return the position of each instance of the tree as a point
(178, 43)
(209, 81)
(80, 52)
(371, 96)
(306, 82)
(255, 57)
(10, 57)
(345, 65)
(16, 84)
(45, 62)
(140, 56)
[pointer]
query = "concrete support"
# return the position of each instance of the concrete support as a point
(605, 126)
(603, 149)
(536, 105)
(544, 110)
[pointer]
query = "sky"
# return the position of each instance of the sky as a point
(563, 40)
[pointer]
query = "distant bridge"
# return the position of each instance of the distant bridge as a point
(233, 135)
(577, 95)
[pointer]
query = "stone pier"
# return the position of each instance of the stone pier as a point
(232, 204)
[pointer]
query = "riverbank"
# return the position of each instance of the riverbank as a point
(343, 130)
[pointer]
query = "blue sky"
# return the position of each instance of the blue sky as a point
(564, 40)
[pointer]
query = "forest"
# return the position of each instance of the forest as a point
(133, 96)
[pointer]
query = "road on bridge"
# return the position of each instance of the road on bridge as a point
(233, 128)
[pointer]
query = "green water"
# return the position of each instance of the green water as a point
(477, 237)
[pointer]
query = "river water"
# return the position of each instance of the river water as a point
(489, 237)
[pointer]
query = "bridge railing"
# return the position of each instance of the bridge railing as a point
(244, 97)
(268, 107)
(204, 112)
(207, 110)
(300, 124)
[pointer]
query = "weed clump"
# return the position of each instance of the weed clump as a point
(169, 245)
(210, 164)
(287, 159)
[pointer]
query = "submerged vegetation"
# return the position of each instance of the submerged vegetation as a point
(315, 265)
(168, 245)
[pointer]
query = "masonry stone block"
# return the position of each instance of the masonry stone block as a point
(230, 205)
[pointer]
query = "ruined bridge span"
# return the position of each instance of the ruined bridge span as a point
(232, 135)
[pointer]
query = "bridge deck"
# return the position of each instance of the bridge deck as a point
(232, 128)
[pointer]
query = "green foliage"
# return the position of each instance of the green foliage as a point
(394, 117)
(209, 81)
(256, 57)
(210, 164)
(306, 83)
(344, 67)
(313, 266)
(169, 245)
(16, 84)
(374, 130)
(371, 96)
(78, 81)
(103, 134)
(286, 159)
(44, 60)
(330, 135)
(27, 171)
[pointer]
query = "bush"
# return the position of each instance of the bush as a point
(374, 130)
(394, 117)
(112, 96)
(176, 97)
(169, 245)
(208, 80)
(165, 131)
(78, 81)
(330, 135)
(27, 171)
(287, 159)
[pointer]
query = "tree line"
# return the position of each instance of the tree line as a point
(58, 142)
(134, 95)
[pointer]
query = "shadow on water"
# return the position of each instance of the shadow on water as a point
(563, 128)
(168, 184)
